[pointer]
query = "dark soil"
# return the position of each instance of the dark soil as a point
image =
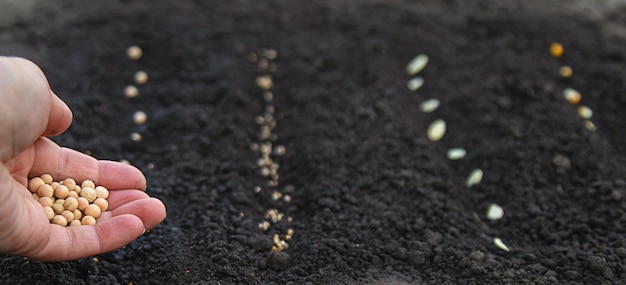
(373, 201)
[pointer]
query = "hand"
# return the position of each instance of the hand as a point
(30, 111)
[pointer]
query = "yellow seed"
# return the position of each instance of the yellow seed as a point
(102, 192)
(59, 201)
(474, 177)
(34, 183)
(75, 223)
(456, 153)
(70, 203)
(415, 83)
(429, 105)
(72, 194)
(141, 77)
(140, 117)
(35, 196)
(290, 232)
(46, 201)
(131, 91)
(498, 242)
(69, 183)
(82, 203)
(102, 203)
(584, 112)
(68, 215)
(49, 212)
(88, 183)
(47, 178)
(59, 220)
(45, 190)
(88, 220)
(417, 64)
(134, 52)
(93, 210)
(77, 189)
(566, 71)
(264, 82)
(77, 214)
(58, 208)
(61, 192)
(572, 96)
(556, 50)
(495, 212)
(436, 130)
(55, 185)
(88, 193)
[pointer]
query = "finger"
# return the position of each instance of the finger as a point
(64, 163)
(69, 243)
(151, 211)
(121, 197)
(60, 117)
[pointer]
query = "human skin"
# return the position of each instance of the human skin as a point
(29, 113)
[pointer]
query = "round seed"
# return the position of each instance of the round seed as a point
(584, 112)
(556, 50)
(456, 153)
(590, 125)
(49, 212)
(417, 64)
(436, 130)
(102, 203)
(566, 71)
(140, 117)
(72, 194)
(68, 215)
(572, 96)
(58, 208)
(47, 178)
(415, 83)
(474, 177)
(61, 192)
(88, 221)
(34, 183)
(55, 185)
(74, 223)
(69, 183)
(89, 194)
(59, 220)
(35, 196)
(495, 212)
(134, 52)
(88, 183)
(136, 137)
(102, 192)
(131, 91)
(264, 82)
(45, 190)
(141, 77)
(70, 204)
(93, 210)
(429, 105)
(46, 201)
(498, 242)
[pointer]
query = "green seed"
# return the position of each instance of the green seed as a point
(436, 130)
(429, 105)
(415, 83)
(584, 112)
(498, 242)
(474, 177)
(495, 212)
(456, 153)
(417, 64)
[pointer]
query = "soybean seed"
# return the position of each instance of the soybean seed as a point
(436, 130)
(55, 184)
(136, 137)
(572, 96)
(58, 208)
(456, 153)
(88, 183)
(417, 64)
(72, 194)
(49, 212)
(474, 177)
(131, 91)
(34, 183)
(93, 210)
(88, 220)
(141, 77)
(89, 194)
(134, 52)
(70, 204)
(47, 178)
(556, 50)
(102, 203)
(61, 192)
(45, 190)
(264, 82)
(78, 214)
(566, 71)
(74, 223)
(140, 117)
(59, 220)
(102, 192)
(429, 105)
(415, 83)
(69, 183)
(68, 215)
(590, 125)
(495, 212)
(35, 196)
(584, 112)
(498, 242)
(46, 201)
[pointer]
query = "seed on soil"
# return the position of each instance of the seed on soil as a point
(141, 77)
(59, 220)
(134, 52)
(276, 195)
(279, 150)
(556, 50)
(572, 96)
(417, 64)
(498, 242)
(590, 125)
(136, 137)
(436, 130)
(140, 117)
(268, 96)
(474, 177)
(429, 105)
(415, 83)
(264, 225)
(566, 71)
(264, 82)
(494, 212)
(131, 91)
(584, 112)
(456, 153)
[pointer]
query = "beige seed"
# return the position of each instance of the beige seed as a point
(82, 203)
(498, 242)
(417, 64)
(61, 191)
(45, 190)
(429, 105)
(72, 194)
(55, 185)
(584, 112)
(415, 83)
(59, 201)
(102, 203)
(474, 177)
(88, 221)
(58, 208)
(89, 194)
(140, 117)
(572, 96)
(69, 183)
(264, 82)
(494, 212)
(49, 212)
(590, 125)
(134, 52)
(131, 91)
(59, 220)
(75, 223)
(436, 130)
(77, 189)
(34, 183)
(70, 203)
(566, 71)
(88, 183)
(46, 201)
(136, 137)
(102, 192)
(77, 214)
(141, 77)
(93, 210)
(68, 215)
(35, 196)
(47, 178)
(456, 153)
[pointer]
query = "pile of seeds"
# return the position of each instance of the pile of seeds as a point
(67, 203)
